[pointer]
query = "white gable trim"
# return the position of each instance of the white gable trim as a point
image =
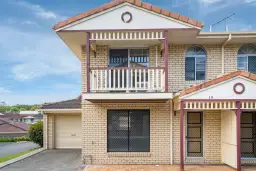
(122, 5)
(213, 86)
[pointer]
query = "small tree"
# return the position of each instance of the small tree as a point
(35, 133)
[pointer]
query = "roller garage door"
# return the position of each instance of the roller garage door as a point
(68, 131)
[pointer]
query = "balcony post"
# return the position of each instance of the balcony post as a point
(182, 135)
(166, 51)
(238, 135)
(88, 61)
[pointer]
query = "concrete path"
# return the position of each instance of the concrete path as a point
(14, 148)
(49, 160)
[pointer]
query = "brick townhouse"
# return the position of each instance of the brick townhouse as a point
(156, 90)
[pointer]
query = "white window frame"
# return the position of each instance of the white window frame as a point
(245, 56)
(197, 56)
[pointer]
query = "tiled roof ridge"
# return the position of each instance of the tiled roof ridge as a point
(137, 3)
(217, 80)
(17, 126)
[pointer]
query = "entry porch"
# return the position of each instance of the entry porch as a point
(217, 122)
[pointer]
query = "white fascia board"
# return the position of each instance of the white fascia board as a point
(127, 96)
(60, 110)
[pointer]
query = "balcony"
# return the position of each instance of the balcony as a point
(125, 79)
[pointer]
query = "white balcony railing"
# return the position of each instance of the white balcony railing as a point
(127, 79)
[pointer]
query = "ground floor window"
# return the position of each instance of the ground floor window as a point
(248, 134)
(128, 131)
(194, 134)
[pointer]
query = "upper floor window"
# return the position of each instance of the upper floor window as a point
(246, 59)
(195, 63)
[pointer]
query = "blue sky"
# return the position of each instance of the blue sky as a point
(36, 66)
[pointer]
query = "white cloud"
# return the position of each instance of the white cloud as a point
(4, 91)
(247, 28)
(36, 54)
(39, 11)
(28, 22)
(249, 1)
(207, 2)
(16, 98)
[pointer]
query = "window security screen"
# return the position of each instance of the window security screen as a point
(128, 131)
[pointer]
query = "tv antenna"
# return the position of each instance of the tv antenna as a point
(224, 19)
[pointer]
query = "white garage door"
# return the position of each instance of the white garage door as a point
(68, 131)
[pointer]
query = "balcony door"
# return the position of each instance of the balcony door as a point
(127, 58)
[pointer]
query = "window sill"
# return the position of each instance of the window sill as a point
(129, 154)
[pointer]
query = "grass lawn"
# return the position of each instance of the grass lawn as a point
(12, 156)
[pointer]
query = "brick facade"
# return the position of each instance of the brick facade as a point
(94, 135)
(176, 75)
(94, 115)
(48, 127)
(211, 134)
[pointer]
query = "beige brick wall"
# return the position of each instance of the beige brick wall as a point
(230, 53)
(48, 128)
(45, 127)
(212, 139)
(212, 135)
(176, 64)
(94, 135)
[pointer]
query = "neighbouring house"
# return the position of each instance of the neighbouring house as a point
(10, 129)
(31, 117)
(15, 117)
(156, 90)
(28, 117)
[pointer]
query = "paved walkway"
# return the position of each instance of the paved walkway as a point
(162, 168)
(14, 148)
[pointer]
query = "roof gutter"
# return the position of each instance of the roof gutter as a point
(45, 111)
(222, 54)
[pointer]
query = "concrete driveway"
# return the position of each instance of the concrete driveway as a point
(49, 160)
(14, 148)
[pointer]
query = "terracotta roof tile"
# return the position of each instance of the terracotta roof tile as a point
(138, 3)
(192, 21)
(146, 6)
(218, 80)
(183, 18)
(133, 2)
(165, 12)
(156, 9)
(174, 15)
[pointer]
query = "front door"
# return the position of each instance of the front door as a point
(194, 134)
(248, 134)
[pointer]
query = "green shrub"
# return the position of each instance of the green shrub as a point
(23, 138)
(16, 139)
(7, 140)
(35, 133)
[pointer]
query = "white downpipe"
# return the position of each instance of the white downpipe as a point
(171, 128)
(222, 54)
(156, 55)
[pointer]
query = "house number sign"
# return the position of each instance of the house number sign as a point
(126, 17)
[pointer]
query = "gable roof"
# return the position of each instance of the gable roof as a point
(217, 80)
(8, 126)
(137, 3)
(68, 104)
